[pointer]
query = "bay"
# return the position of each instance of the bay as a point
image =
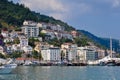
(63, 73)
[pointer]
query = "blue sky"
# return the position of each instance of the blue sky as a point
(100, 17)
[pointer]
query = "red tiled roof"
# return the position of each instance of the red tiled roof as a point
(20, 58)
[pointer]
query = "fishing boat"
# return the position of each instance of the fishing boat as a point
(7, 68)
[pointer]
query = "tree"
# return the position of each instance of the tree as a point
(36, 55)
(43, 35)
(32, 41)
(15, 54)
(40, 56)
(54, 42)
(2, 56)
(18, 29)
(81, 41)
(65, 40)
(16, 41)
(0, 25)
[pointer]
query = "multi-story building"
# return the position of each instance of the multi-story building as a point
(30, 31)
(23, 41)
(8, 48)
(14, 34)
(40, 46)
(27, 49)
(50, 27)
(81, 54)
(70, 51)
(91, 54)
(49, 34)
(101, 53)
(16, 47)
(67, 35)
(51, 54)
(5, 33)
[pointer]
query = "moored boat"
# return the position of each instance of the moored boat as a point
(7, 68)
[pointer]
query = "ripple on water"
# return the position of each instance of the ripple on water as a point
(63, 73)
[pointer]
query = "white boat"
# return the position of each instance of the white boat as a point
(7, 68)
(27, 63)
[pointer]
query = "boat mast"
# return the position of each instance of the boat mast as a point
(110, 47)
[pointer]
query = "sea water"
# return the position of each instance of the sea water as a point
(63, 73)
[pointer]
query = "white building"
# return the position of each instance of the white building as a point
(40, 25)
(30, 29)
(16, 47)
(67, 35)
(23, 41)
(14, 34)
(81, 53)
(9, 48)
(91, 54)
(57, 28)
(70, 51)
(49, 34)
(5, 33)
(51, 54)
(27, 49)
(40, 46)
(8, 39)
(29, 23)
(86, 54)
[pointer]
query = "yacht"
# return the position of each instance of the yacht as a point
(7, 68)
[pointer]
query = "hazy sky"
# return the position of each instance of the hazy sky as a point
(100, 17)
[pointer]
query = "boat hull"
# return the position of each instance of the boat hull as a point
(7, 68)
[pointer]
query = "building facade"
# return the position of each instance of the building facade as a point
(51, 54)
(30, 31)
(81, 54)
(23, 41)
(70, 51)
(91, 55)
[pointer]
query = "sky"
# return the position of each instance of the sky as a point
(100, 17)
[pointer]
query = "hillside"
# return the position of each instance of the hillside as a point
(14, 14)
(102, 41)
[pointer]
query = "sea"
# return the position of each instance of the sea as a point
(63, 73)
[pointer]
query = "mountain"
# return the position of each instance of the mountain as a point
(102, 41)
(12, 14)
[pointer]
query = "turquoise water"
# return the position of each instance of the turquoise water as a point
(63, 73)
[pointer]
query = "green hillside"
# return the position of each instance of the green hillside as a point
(14, 14)
(103, 41)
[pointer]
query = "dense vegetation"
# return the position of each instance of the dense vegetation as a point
(14, 14)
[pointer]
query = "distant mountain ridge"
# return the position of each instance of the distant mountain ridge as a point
(103, 41)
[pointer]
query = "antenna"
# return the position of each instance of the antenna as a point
(110, 47)
(119, 46)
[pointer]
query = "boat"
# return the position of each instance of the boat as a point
(7, 68)
(27, 63)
